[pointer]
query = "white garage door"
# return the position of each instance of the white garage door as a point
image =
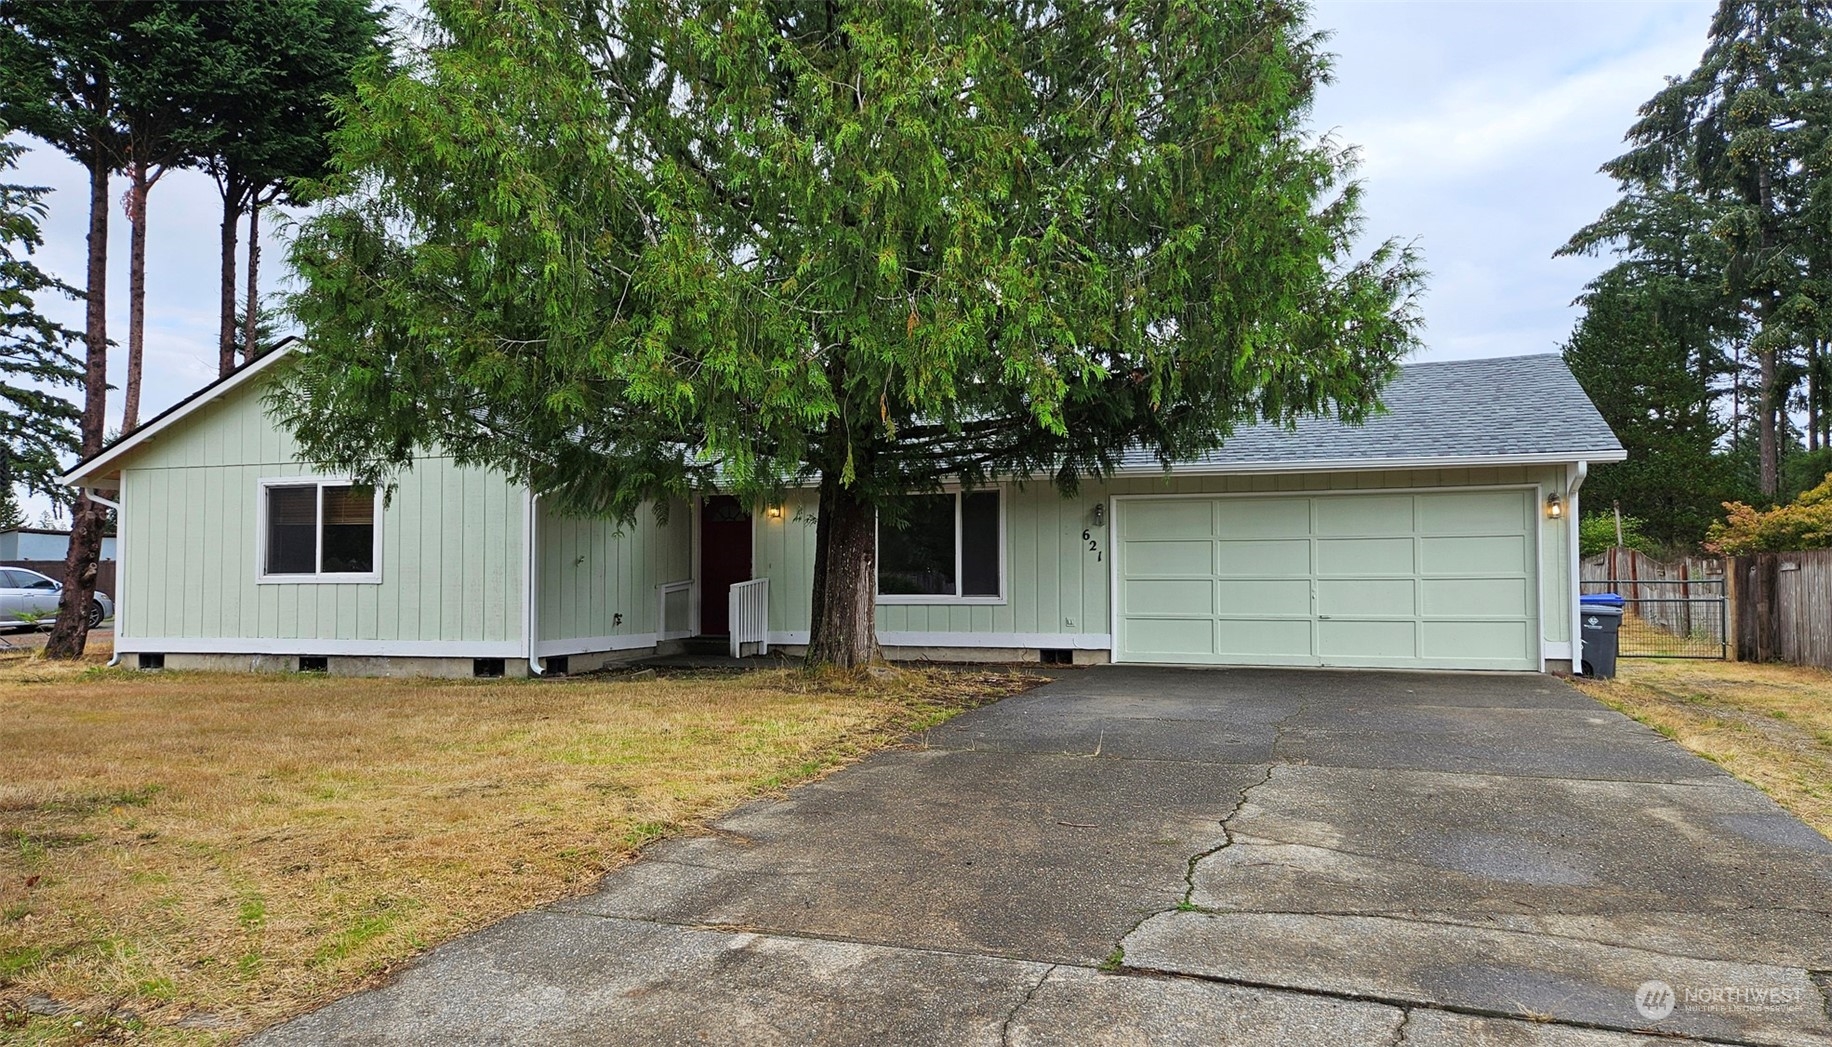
(1430, 580)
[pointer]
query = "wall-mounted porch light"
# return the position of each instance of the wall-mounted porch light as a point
(774, 512)
(1100, 513)
(1555, 509)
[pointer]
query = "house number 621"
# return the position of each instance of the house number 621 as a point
(1093, 545)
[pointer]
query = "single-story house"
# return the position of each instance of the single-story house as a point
(1440, 534)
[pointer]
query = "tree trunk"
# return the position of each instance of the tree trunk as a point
(225, 333)
(844, 620)
(249, 350)
(1768, 446)
(71, 632)
(1813, 396)
(136, 292)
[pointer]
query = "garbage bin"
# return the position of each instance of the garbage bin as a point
(1600, 623)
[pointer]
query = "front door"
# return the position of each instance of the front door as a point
(725, 559)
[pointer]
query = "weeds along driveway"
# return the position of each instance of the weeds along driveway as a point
(1161, 856)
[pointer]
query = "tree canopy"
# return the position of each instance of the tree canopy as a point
(1725, 234)
(38, 423)
(632, 251)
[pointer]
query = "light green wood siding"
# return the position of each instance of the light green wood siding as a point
(592, 570)
(1056, 585)
(451, 545)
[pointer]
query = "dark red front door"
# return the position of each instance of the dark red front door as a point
(725, 559)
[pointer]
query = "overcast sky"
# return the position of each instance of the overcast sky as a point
(1481, 127)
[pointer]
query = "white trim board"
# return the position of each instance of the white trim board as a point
(308, 646)
(593, 644)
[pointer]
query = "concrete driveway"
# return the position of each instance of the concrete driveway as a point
(1137, 856)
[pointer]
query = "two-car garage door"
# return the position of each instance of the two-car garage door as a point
(1427, 580)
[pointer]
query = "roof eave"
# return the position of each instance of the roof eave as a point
(1359, 465)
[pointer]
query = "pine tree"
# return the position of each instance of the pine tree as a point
(37, 425)
(1749, 127)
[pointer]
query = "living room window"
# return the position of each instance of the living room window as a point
(318, 531)
(943, 547)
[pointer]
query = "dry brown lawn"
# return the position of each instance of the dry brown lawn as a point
(185, 857)
(1770, 725)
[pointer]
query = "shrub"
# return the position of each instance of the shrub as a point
(1597, 533)
(1804, 523)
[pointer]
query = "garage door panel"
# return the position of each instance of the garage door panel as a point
(1263, 517)
(1476, 597)
(1378, 597)
(1262, 559)
(1169, 558)
(1474, 556)
(1440, 579)
(1169, 596)
(1169, 519)
(1266, 641)
(1472, 512)
(1365, 556)
(1185, 638)
(1370, 515)
(1266, 597)
(1351, 641)
(1473, 643)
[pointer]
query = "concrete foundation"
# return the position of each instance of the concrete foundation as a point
(1006, 655)
(337, 665)
(593, 660)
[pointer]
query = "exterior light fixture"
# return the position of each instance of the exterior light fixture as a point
(1555, 509)
(774, 512)
(1100, 513)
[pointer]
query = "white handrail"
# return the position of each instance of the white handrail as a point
(749, 615)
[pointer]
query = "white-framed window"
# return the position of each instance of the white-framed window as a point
(316, 530)
(946, 548)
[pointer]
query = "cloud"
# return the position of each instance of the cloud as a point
(1481, 127)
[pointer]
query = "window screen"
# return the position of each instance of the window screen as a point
(349, 530)
(916, 555)
(292, 529)
(320, 529)
(980, 544)
(944, 545)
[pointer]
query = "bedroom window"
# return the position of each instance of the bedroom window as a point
(318, 530)
(945, 547)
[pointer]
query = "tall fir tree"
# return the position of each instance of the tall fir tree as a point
(628, 252)
(1749, 127)
(38, 425)
(59, 62)
(278, 66)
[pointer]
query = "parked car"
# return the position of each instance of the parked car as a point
(25, 595)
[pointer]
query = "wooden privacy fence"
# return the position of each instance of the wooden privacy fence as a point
(1783, 605)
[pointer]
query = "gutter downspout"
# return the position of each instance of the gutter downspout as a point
(529, 591)
(1571, 501)
(120, 564)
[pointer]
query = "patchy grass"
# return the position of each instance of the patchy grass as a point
(187, 849)
(1770, 725)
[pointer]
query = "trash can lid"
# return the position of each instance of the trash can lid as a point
(1605, 599)
(1593, 610)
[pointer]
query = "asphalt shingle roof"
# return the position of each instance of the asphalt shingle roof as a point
(1505, 407)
